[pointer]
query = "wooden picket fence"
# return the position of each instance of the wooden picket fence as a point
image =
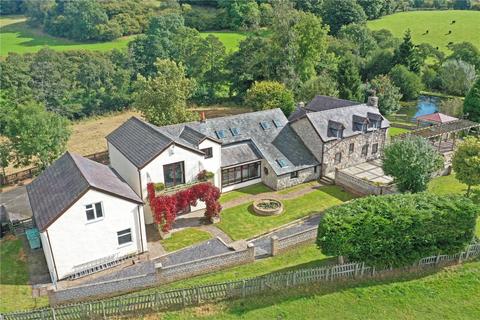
(158, 301)
(23, 175)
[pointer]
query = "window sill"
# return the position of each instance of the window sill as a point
(94, 220)
(125, 245)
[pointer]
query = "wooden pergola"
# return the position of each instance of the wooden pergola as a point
(443, 136)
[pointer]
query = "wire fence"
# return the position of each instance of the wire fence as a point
(158, 301)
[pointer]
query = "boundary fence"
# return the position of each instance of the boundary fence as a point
(23, 175)
(158, 301)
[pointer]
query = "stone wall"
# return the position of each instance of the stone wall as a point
(206, 265)
(349, 159)
(284, 181)
(361, 187)
(280, 245)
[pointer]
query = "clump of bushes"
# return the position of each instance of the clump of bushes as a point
(205, 175)
(398, 230)
(159, 186)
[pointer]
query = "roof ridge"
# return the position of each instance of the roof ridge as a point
(70, 154)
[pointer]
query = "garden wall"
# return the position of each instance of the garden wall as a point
(280, 245)
(360, 186)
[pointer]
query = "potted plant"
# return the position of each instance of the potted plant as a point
(205, 175)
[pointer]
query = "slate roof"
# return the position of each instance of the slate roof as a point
(246, 151)
(321, 103)
(278, 142)
(346, 116)
(66, 180)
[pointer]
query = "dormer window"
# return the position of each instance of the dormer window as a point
(360, 123)
(375, 120)
(335, 129)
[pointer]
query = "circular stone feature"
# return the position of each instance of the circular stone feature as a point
(267, 207)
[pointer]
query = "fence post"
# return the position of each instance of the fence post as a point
(243, 288)
(467, 254)
(53, 314)
(197, 295)
(373, 271)
(183, 298)
(437, 260)
(294, 280)
(103, 310)
(274, 245)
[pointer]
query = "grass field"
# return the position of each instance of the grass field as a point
(250, 190)
(17, 36)
(452, 293)
(438, 24)
(241, 223)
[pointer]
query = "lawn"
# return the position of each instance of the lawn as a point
(452, 293)
(15, 293)
(298, 187)
(392, 131)
(240, 223)
(17, 36)
(242, 192)
(438, 24)
(184, 238)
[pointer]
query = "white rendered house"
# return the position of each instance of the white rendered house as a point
(87, 216)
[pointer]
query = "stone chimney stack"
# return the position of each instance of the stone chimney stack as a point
(202, 117)
(373, 99)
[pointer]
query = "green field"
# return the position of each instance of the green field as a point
(438, 24)
(17, 36)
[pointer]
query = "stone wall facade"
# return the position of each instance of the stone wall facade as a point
(286, 180)
(355, 157)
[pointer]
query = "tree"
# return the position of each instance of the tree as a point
(397, 230)
(270, 95)
(324, 84)
(467, 52)
(453, 107)
(385, 39)
(462, 4)
(242, 14)
(407, 54)
(388, 94)
(379, 63)
(409, 83)
(471, 106)
(338, 13)
(313, 6)
(361, 36)
(162, 99)
(457, 77)
(35, 136)
(466, 162)
(372, 8)
(349, 82)
(411, 162)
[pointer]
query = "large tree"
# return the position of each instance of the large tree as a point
(324, 84)
(338, 13)
(34, 136)
(466, 162)
(270, 95)
(241, 14)
(349, 82)
(467, 52)
(162, 99)
(411, 162)
(471, 106)
(409, 83)
(457, 77)
(407, 53)
(373, 8)
(388, 94)
(361, 36)
(397, 230)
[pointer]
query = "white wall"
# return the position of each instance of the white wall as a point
(124, 168)
(214, 163)
(75, 241)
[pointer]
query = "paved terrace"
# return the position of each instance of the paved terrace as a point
(371, 171)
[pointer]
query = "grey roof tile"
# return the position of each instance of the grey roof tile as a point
(243, 151)
(62, 183)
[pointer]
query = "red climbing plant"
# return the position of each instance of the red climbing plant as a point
(166, 207)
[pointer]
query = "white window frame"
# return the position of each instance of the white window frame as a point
(126, 243)
(93, 207)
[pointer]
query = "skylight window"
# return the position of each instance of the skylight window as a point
(265, 125)
(220, 134)
(277, 123)
(235, 131)
(282, 163)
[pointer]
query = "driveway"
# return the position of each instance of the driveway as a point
(17, 204)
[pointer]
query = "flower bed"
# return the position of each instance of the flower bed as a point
(267, 207)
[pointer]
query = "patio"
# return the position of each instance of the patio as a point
(371, 171)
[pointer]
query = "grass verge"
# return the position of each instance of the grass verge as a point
(15, 292)
(250, 190)
(392, 131)
(241, 223)
(184, 238)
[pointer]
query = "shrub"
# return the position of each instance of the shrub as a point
(397, 230)
(457, 77)
(159, 186)
(466, 162)
(471, 105)
(205, 175)
(409, 83)
(388, 94)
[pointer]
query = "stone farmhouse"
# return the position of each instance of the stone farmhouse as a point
(92, 215)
